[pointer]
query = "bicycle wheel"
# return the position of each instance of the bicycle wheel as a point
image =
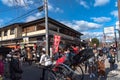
(78, 71)
(60, 74)
(51, 75)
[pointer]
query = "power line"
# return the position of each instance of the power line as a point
(25, 15)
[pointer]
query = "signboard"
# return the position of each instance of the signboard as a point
(108, 30)
(109, 34)
(56, 43)
(26, 40)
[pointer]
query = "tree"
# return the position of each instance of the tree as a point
(95, 41)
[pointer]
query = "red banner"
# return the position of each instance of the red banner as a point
(56, 43)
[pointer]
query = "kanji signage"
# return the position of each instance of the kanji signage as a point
(56, 43)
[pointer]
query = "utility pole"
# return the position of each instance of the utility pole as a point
(46, 27)
(119, 17)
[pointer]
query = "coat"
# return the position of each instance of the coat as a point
(15, 69)
(1, 68)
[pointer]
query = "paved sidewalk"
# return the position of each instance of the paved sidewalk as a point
(110, 75)
(115, 74)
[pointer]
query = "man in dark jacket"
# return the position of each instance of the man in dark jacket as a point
(15, 69)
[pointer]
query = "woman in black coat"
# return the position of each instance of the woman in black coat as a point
(15, 69)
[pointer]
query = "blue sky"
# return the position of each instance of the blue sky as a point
(86, 16)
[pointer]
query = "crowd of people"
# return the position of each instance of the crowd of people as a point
(95, 63)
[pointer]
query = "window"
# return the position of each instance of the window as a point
(39, 27)
(12, 31)
(28, 29)
(24, 30)
(5, 33)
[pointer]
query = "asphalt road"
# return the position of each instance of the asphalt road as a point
(33, 73)
(29, 72)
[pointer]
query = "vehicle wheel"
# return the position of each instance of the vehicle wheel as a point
(78, 71)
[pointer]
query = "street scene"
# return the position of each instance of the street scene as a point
(59, 39)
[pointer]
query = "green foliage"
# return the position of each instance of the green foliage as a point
(95, 41)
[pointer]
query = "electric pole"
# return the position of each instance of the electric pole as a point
(46, 27)
(119, 17)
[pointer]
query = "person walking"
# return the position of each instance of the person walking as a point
(15, 68)
(45, 61)
(111, 58)
(29, 56)
(101, 64)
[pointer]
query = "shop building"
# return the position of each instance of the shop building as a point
(33, 32)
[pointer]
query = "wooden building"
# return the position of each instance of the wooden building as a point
(34, 32)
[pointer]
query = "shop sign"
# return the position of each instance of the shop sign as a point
(26, 40)
(56, 43)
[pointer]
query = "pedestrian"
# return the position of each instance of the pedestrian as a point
(15, 68)
(92, 60)
(111, 58)
(105, 50)
(101, 64)
(45, 62)
(1, 68)
(29, 56)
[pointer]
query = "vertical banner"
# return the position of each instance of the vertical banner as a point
(56, 43)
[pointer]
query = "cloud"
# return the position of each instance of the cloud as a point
(101, 19)
(116, 4)
(1, 21)
(11, 3)
(84, 4)
(86, 28)
(101, 2)
(88, 35)
(58, 10)
(114, 13)
(34, 17)
(54, 9)
(50, 7)
(81, 25)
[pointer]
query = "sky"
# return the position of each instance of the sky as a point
(89, 17)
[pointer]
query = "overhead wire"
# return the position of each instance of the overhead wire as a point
(23, 15)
